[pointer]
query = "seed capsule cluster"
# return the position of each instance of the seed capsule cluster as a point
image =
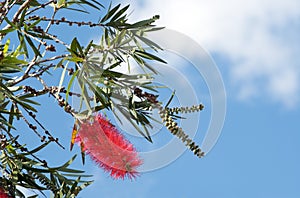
(178, 131)
(64, 20)
(78, 23)
(148, 96)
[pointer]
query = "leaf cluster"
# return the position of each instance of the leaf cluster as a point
(21, 167)
(97, 69)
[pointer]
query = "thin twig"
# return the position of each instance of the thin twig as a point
(61, 101)
(46, 31)
(34, 38)
(39, 7)
(16, 16)
(57, 40)
(31, 65)
(23, 6)
(7, 9)
(51, 138)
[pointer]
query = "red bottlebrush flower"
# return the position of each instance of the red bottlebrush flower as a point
(3, 194)
(108, 148)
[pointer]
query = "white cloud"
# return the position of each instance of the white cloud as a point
(259, 38)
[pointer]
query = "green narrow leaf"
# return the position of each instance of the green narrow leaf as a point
(37, 170)
(149, 42)
(34, 23)
(154, 29)
(65, 165)
(171, 98)
(31, 3)
(18, 52)
(140, 131)
(53, 179)
(127, 116)
(23, 44)
(35, 50)
(99, 4)
(92, 5)
(120, 37)
(82, 153)
(37, 149)
(151, 68)
(12, 62)
(84, 185)
(144, 23)
(68, 170)
(6, 46)
(59, 64)
(77, 10)
(70, 84)
(84, 93)
(106, 37)
(7, 30)
(39, 35)
(118, 14)
(11, 118)
(147, 133)
(26, 106)
(75, 48)
(72, 190)
(86, 51)
(10, 23)
(110, 13)
(149, 56)
(21, 20)
(29, 101)
(100, 95)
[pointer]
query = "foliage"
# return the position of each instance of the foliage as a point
(37, 52)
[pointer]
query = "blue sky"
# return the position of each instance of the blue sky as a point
(255, 46)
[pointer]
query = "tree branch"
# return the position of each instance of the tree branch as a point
(16, 16)
(31, 65)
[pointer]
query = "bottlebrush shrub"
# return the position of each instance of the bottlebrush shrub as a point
(108, 148)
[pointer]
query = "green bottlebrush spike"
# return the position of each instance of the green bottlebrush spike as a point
(172, 126)
(191, 109)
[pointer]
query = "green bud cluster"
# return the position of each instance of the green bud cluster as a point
(192, 109)
(173, 127)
